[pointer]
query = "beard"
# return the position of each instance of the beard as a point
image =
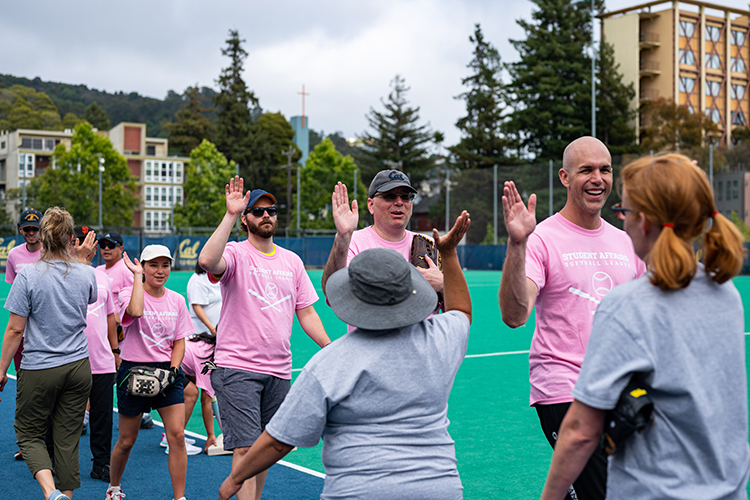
(263, 230)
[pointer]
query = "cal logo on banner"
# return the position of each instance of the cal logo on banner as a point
(6, 244)
(188, 251)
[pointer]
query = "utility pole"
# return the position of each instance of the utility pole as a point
(289, 153)
(593, 72)
(101, 169)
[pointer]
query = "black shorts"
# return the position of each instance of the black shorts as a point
(131, 406)
(592, 483)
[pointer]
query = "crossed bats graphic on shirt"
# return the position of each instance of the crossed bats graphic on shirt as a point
(270, 304)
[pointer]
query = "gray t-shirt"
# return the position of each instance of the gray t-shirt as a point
(690, 344)
(379, 400)
(54, 298)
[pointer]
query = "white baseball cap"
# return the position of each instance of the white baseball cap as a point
(153, 251)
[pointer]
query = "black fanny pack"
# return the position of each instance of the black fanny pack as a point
(632, 413)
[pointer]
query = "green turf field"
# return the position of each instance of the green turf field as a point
(501, 450)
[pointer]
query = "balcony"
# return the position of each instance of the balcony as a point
(648, 95)
(648, 40)
(649, 68)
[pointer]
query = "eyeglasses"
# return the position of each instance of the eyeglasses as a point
(619, 211)
(30, 229)
(108, 245)
(405, 197)
(258, 211)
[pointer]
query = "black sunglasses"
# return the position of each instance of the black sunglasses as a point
(619, 211)
(258, 211)
(107, 244)
(30, 229)
(392, 196)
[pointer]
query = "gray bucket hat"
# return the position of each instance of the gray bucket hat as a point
(380, 290)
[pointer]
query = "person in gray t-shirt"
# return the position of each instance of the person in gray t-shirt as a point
(681, 329)
(379, 395)
(48, 304)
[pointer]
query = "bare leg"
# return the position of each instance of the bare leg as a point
(253, 487)
(129, 427)
(191, 397)
(174, 427)
(208, 419)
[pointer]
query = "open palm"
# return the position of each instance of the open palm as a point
(345, 218)
(520, 221)
(236, 202)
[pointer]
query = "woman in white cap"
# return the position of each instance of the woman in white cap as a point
(155, 322)
(378, 396)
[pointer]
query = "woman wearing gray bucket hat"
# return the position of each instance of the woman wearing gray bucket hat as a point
(378, 396)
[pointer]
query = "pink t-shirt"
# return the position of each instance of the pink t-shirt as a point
(573, 268)
(260, 294)
(149, 339)
(367, 238)
(195, 354)
(119, 277)
(100, 351)
(18, 257)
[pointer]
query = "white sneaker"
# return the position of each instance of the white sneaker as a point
(191, 449)
(218, 448)
(114, 493)
(164, 443)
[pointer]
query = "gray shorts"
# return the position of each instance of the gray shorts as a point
(247, 401)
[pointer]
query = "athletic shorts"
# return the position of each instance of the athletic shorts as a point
(247, 401)
(131, 406)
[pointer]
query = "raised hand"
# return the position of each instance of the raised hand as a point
(135, 267)
(85, 251)
(345, 218)
(448, 243)
(236, 203)
(520, 221)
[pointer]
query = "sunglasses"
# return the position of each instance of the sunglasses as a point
(405, 197)
(258, 211)
(108, 245)
(619, 211)
(30, 229)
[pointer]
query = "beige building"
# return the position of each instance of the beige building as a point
(25, 154)
(694, 53)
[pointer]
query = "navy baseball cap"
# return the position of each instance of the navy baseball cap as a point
(31, 218)
(113, 237)
(257, 194)
(387, 180)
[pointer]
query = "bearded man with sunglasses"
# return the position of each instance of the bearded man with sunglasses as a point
(390, 201)
(263, 286)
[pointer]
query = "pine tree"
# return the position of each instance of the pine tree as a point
(97, 117)
(398, 141)
(552, 81)
(233, 103)
(483, 143)
(614, 110)
(191, 126)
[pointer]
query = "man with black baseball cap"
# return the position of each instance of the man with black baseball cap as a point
(20, 256)
(390, 201)
(264, 287)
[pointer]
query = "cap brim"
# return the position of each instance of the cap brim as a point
(353, 311)
(393, 185)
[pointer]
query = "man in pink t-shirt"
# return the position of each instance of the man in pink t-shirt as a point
(390, 201)
(262, 288)
(564, 266)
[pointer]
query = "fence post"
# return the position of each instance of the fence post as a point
(494, 204)
(447, 200)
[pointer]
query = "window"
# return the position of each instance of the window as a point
(735, 190)
(162, 172)
(25, 165)
(713, 33)
(49, 144)
(713, 61)
(149, 226)
(148, 170)
(713, 89)
(739, 118)
(715, 115)
(737, 65)
(687, 57)
(148, 199)
(164, 197)
(691, 109)
(720, 191)
(150, 150)
(2, 145)
(687, 29)
(738, 38)
(157, 221)
(738, 91)
(687, 84)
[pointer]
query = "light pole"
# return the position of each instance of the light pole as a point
(101, 169)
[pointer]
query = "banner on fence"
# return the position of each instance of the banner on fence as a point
(188, 250)
(6, 244)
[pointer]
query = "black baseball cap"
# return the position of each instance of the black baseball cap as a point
(113, 237)
(31, 218)
(386, 180)
(81, 232)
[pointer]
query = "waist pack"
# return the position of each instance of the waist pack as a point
(632, 413)
(147, 381)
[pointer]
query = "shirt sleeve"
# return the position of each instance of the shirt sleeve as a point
(230, 258)
(536, 260)
(10, 270)
(18, 301)
(123, 303)
(196, 291)
(93, 289)
(111, 307)
(302, 416)
(306, 294)
(184, 323)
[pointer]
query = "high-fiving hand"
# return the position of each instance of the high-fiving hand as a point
(236, 202)
(520, 222)
(345, 218)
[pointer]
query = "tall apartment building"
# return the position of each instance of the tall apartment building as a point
(25, 154)
(694, 53)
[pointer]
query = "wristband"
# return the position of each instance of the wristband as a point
(116, 351)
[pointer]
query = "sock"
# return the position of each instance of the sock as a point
(86, 418)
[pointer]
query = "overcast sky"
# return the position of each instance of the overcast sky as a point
(345, 53)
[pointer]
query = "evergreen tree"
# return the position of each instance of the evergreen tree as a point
(398, 141)
(233, 103)
(24, 107)
(482, 143)
(614, 109)
(552, 81)
(191, 126)
(97, 117)
(672, 127)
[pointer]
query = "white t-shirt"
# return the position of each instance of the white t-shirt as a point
(204, 293)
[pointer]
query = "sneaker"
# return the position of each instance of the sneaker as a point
(164, 443)
(100, 472)
(146, 421)
(114, 493)
(17, 455)
(191, 449)
(57, 495)
(218, 448)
